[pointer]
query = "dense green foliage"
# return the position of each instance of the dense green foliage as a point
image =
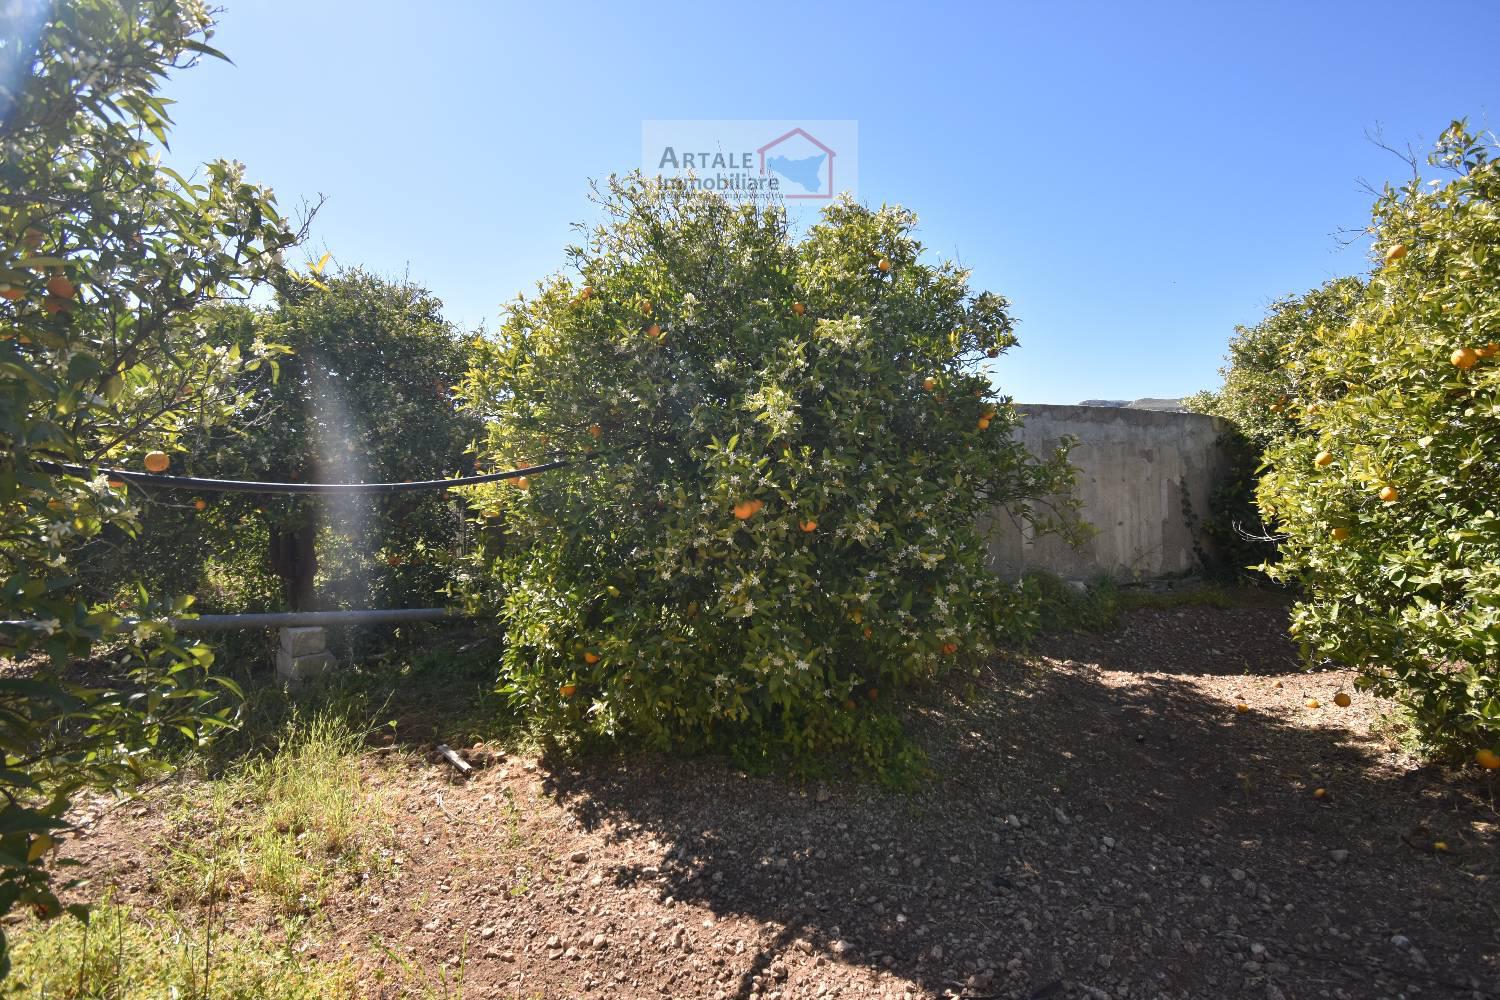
(104, 256)
(1384, 485)
(794, 443)
(363, 394)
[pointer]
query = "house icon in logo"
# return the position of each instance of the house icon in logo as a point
(804, 165)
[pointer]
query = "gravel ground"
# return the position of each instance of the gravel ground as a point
(1101, 822)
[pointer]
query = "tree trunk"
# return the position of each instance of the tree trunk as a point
(294, 558)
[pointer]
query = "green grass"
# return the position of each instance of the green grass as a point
(1097, 606)
(287, 826)
(123, 953)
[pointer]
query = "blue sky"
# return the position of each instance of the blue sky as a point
(1136, 178)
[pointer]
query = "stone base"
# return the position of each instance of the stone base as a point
(303, 654)
(296, 669)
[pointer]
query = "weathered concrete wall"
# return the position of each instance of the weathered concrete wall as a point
(1133, 467)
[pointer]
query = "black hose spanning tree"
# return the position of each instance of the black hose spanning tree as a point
(245, 486)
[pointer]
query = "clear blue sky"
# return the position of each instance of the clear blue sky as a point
(1136, 178)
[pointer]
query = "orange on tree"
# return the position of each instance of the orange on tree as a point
(1395, 253)
(884, 265)
(200, 504)
(874, 693)
(929, 383)
(595, 431)
(984, 423)
(157, 461)
(1339, 533)
(60, 286)
(10, 292)
(1464, 358)
(1389, 494)
(645, 307)
(568, 690)
(808, 526)
(1323, 458)
(949, 648)
(521, 483)
(746, 509)
(798, 308)
(586, 293)
(1342, 699)
(52, 305)
(1487, 759)
(590, 658)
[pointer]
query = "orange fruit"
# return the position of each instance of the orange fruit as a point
(1342, 699)
(522, 483)
(1323, 458)
(568, 690)
(200, 505)
(646, 307)
(798, 308)
(1388, 494)
(874, 693)
(1395, 253)
(1339, 533)
(10, 293)
(949, 648)
(595, 431)
(1464, 358)
(809, 526)
(157, 461)
(52, 305)
(984, 423)
(587, 293)
(60, 286)
(869, 631)
(590, 658)
(653, 331)
(1320, 793)
(1487, 758)
(929, 383)
(849, 705)
(1314, 703)
(884, 265)
(746, 509)
(116, 484)
(1242, 708)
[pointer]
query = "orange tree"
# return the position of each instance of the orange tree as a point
(103, 255)
(1387, 495)
(1268, 389)
(792, 443)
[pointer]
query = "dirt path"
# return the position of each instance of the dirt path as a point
(1101, 823)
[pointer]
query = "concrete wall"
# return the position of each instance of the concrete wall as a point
(1133, 466)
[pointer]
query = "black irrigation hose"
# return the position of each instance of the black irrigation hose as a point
(244, 486)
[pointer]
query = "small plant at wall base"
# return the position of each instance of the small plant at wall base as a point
(795, 445)
(1386, 496)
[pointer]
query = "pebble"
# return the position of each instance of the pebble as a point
(578, 857)
(1339, 856)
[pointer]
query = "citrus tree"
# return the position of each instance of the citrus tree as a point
(1268, 389)
(1388, 493)
(104, 254)
(791, 443)
(364, 393)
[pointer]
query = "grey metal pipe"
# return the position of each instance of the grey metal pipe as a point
(291, 619)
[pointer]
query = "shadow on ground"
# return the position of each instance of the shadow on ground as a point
(1085, 832)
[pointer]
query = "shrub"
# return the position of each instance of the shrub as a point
(1268, 388)
(1387, 493)
(792, 443)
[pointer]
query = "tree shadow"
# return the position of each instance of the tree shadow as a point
(1084, 832)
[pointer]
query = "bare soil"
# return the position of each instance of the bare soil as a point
(1100, 822)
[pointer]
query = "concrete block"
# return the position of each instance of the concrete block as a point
(296, 669)
(304, 640)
